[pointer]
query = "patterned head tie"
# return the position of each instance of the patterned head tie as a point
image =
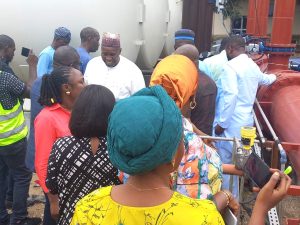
(185, 34)
(111, 40)
(62, 33)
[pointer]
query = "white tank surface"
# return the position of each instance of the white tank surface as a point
(175, 19)
(142, 25)
(153, 22)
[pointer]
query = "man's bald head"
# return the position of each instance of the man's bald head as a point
(189, 51)
(66, 56)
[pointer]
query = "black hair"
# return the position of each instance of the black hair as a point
(6, 42)
(87, 33)
(236, 41)
(224, 43)
(66, 56)
(91, 110)
(51, 85)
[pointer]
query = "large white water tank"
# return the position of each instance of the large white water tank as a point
(154, 28)
(31, 23)
(174, 23)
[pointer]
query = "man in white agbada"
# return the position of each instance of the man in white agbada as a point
(213, 66)
(237, 87)
(114, 71)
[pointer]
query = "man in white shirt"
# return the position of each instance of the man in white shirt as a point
(237, 87)
(213, 66)
(114, 71)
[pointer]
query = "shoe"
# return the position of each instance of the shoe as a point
(28, 221)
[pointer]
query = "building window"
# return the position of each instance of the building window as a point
(239, 25)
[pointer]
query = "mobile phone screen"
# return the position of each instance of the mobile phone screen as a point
(25, 52)
(257, 170)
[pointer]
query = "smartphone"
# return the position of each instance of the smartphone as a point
(257, 170)
(229, 217)
(25, 52)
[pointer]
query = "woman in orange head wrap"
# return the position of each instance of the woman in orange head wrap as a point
(200, 172)
(178, 75)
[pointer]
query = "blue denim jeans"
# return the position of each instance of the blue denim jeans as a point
(12, 159)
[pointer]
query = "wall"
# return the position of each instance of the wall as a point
(220, 27)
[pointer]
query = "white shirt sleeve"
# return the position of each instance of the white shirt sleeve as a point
(229, 84)
(263, 78)
(138, 82)
(87, 73)
(266, 79)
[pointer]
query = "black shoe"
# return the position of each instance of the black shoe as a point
(29, 221)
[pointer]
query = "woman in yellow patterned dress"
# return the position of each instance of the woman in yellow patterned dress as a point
(144, 140)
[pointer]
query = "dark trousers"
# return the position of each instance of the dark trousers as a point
(10, 188)
(48, 220)
(12, 159)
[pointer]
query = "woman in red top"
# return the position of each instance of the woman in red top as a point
(58, 94)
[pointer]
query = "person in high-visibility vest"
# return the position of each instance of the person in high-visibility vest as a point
(13, 132)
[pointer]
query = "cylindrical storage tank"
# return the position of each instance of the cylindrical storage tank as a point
(281, 102)
(153, 23)
(31, 23)
(174, 23)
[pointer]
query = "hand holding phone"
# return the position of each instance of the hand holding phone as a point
(274, 191)
(269, 196)
(25, 52)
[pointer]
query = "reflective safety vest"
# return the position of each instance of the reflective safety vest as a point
(12, 125)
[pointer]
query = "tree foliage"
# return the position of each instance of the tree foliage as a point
(232, 9)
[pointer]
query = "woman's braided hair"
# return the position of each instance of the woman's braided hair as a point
(51, 85)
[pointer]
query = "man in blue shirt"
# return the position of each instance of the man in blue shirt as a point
(62, 36)
(213, 66)
(89, 43)
(237, 87)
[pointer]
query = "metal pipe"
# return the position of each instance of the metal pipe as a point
(223, 139)
(261, 136)
(257, 18)
(282, 29)
(276, 139)
(251, 20)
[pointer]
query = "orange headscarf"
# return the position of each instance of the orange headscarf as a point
(178, 75)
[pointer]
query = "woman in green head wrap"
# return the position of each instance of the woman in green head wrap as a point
(144, 139)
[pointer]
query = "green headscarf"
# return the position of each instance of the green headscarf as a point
(144, 131)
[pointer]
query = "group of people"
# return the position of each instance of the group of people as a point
(108, 150)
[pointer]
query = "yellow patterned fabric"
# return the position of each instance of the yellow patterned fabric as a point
(99, 208)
